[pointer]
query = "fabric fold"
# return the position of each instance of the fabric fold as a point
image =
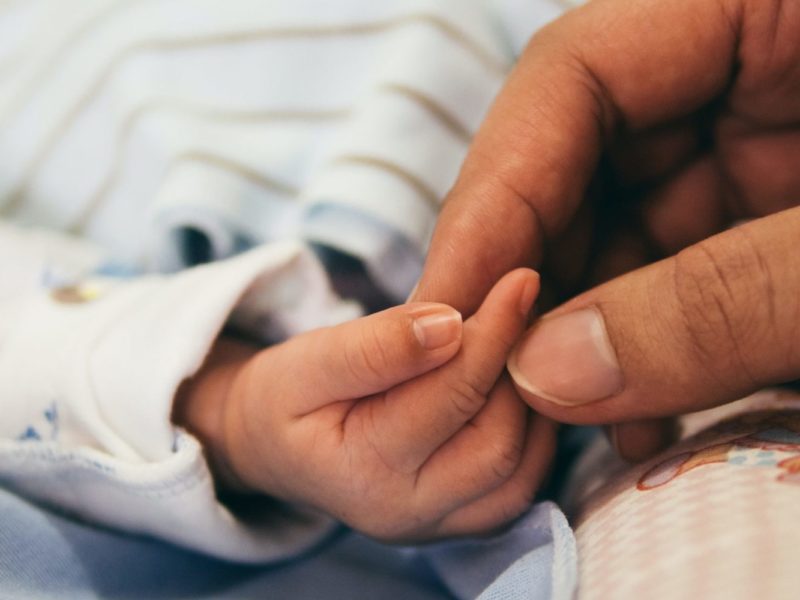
(89, 372)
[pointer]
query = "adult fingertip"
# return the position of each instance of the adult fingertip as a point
(636, 441)
(567, 360)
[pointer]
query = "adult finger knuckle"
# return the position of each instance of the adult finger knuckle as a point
(722, 288)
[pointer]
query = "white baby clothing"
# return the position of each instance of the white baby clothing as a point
(160, 134)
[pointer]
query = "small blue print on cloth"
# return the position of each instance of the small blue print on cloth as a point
(31, 433)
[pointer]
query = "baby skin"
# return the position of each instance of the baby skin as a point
(401, 424)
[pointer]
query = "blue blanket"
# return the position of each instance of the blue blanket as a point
(45, 555)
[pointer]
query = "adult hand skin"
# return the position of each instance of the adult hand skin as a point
(678, 119)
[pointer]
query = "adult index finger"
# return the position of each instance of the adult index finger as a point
(611, 64)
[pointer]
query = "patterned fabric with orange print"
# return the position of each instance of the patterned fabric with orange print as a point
(717, 516)
(763, 440)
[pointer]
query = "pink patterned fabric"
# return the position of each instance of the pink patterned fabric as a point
(716, 516)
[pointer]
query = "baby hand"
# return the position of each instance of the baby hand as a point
(396, 423)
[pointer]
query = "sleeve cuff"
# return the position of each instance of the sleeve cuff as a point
(91, 372)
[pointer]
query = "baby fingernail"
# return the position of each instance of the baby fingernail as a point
(438, 328)
(412, 292)
(568, 360)
(527, 297)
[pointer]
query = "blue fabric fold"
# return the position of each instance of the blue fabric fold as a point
(534, 559)
(47, 555)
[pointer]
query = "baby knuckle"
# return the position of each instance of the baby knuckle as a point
(518, 501)
(365, 358)
(504, 458)
(465, 398)
(376, 355)
(506, 509)
(377, 529)
(395, 515)
(369, 522)
(394, 529)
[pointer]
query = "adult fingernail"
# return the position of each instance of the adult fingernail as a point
(437, 327)
(568, 360)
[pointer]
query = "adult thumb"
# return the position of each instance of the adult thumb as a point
(713, 323)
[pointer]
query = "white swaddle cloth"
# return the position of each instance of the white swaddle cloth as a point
(248, 121)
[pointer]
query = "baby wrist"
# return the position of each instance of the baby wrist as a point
(202, 402)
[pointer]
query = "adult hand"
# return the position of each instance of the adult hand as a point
(692, 107)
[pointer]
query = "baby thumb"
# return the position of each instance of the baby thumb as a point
(372, 354)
